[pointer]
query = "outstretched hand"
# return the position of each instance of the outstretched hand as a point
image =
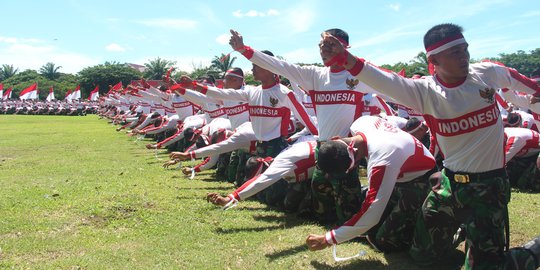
(187, 170)
(316, 242)
(236, 41)
(217, 199)
(181, 156)
(170, 163)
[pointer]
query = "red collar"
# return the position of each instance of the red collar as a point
(450, 85)
(336, 69)
(270, 86)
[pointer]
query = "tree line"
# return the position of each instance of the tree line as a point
(110, 73)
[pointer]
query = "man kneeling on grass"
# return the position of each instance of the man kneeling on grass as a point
(398, 170)
(295, 164)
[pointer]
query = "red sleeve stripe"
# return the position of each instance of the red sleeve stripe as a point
(524, 80)
(302, 113)
(375, 181)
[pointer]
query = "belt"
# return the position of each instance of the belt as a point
(465, 178)
(271, 141)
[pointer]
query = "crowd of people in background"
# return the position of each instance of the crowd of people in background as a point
(54, 107)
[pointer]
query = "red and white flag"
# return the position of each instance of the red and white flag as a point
(77, 93)
(1, 90)
(51, 95)
(117, 87)
(29, 93)
(7, 94)
(68, 96)
(94, 95)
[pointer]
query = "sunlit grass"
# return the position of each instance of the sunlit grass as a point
(75, 194)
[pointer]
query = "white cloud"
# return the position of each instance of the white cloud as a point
(307, 55)
(113, 47)
(13, 40)
(178, 24)
(33, 53)
(531, 13)
(386, 37)
(255, 13)
(223, 39)
(381, 57)
(394, 7)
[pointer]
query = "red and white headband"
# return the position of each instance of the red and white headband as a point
(444, 44)
(233, 73)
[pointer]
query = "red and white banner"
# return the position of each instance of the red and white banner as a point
(7, 94)
(30, 92)
(77, 93)
(51, 95)
(68, 96)
(1, 90)
(94, 95)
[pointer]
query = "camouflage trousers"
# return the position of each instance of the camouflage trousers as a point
(524, 173)
(335, 198)
(274, 194)
(481, 206)
(237, 164)
(222, 166)
(395, 229)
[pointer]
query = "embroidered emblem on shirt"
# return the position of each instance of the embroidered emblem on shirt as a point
(351, 83)
(487, 94)
(273, 101)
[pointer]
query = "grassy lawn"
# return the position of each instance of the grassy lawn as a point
(75, 194)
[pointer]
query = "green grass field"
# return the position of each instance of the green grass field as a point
(75, 194)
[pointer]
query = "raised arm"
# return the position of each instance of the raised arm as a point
(303, 75)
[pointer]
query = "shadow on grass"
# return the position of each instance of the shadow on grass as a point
(286, 252)
(396, 260)
(253, 229)
(355, 264)
(204, 188)
(283, 222)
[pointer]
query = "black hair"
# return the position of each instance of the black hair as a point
(513, 119)
(440, 32)
(200, 143)
(268, 52)
(251, 167)
(207, 78)
(188, 133)
(237, 70)
(336, 32)
(412, 123)
(218, 136)
(333, 157)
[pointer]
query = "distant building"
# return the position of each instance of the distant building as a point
(140, 68)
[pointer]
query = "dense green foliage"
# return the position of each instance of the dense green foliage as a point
(110, 73)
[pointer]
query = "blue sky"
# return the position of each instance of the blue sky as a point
(75, 34)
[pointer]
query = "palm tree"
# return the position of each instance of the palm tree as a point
(222, 63)
(157, 68)
(50, 71)
(420, 62)
(7, 71)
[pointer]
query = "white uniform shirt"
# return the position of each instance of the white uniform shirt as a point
(464, 117)
(295, 163)
(393, 156)
(269, 109)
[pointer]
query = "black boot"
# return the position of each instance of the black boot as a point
(533, 247)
